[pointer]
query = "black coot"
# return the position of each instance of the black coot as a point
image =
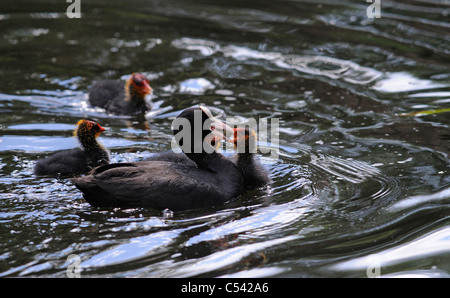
(213, 180)
(120, 99)
(78, 160)
(172, 156)
(253, 173)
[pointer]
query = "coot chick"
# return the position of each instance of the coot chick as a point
(76, 161)
(213, 180)
(252, 171)
(118, 99)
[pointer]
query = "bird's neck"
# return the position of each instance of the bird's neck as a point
(227, 174)
(204, 160)
(92, 146)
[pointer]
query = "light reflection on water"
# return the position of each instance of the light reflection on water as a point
(436, 243)
(355, 177)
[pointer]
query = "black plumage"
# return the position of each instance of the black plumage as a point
(253, 173)
(121, 99)
(211, 180)
(171, 157)
(76, 161)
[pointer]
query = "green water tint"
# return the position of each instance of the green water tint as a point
(361, 184)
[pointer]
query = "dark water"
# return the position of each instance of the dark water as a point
(361, 186)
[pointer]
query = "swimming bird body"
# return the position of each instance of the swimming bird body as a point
(76, 161)
(210, 180)
(118, 99)
(253, 173)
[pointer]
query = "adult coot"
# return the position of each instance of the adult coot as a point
(172, 156)
(78, 160)
(118, 99)
(252, 171)
(213, 180)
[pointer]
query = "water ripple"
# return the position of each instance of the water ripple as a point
(315, 65)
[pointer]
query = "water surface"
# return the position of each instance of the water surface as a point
(362, 181)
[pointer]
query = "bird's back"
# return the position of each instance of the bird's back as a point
(172, 157)
(63, 163)
(156, 184)
(105, 91)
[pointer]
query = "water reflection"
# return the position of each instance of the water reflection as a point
(414, 201)
(422, 134)
(404, 82)
(359, 172)
(135, 249)
(431, 245)
(315, 65)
